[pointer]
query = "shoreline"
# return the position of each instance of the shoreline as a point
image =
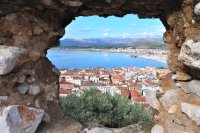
(162, 59)
(155, 57)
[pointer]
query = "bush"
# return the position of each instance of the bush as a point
(111, 111)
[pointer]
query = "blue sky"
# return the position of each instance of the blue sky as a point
(129, 26)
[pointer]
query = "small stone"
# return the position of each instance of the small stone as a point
(3, 99)
(22, 88)
(194, 87)
(21, 79)
(37, 103)
(173, 109)
(152, 99)
(193, 21)
(33, 89)
(183, 86)
(161, 90)
(197, 9)
(30, 80)
(180, 76)
(72, 3)
(192, 111)
(9, 57)
(157, 129)
(46, 118)
(14, 119)
(108, 1)
(37, 30)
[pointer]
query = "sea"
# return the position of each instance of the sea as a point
(68, 59)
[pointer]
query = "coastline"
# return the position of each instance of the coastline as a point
(155, 57)
(159, 58)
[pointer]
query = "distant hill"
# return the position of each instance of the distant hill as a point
(114, 43)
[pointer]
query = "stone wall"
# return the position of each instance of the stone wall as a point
(29, 82)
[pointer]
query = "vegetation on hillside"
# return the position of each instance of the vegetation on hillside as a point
(110, 111)
(108, 46)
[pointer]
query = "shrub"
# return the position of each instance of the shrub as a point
(111, 111)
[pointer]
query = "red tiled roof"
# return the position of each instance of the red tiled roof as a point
(66, 83)
(79, 78)
(66, 74)
(139, 99)
(125, 91)
(62, 91)
(134, 93)
(132, 85)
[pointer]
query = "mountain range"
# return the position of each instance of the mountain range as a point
(114, 42)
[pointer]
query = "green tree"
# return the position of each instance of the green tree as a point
(111, 111)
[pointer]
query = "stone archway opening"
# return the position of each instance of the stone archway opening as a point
(28, 29)
(65, 59)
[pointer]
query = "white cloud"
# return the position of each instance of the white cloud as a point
(126, 35)
(157, 32)
(105, 34)
(106, 30)
(132, 24)
(85, 30)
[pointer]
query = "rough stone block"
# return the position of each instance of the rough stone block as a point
(169, 98)
(152, 99)
(190, 52)
(193, 111)
(194, 87)
(33, 89)
(22, 88)
(20, 119)
(9, 57)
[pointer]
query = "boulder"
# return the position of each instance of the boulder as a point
(170, 98)
(33, 89)
(190, 53)
(192, 111)
(9, 57)
(194, 87)
(152, 99)
(157, 129)
(20, 119)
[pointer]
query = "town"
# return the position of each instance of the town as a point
(132, 82)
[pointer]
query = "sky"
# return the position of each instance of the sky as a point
(129, 26)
